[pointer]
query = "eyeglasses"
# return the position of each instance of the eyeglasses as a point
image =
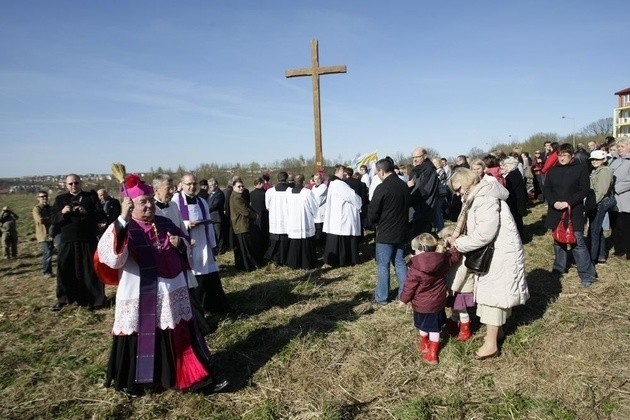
(418, 157)
(238, 186)
(74, 183)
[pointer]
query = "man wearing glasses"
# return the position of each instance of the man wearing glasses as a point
(76, 215)
(423, 190)
(565, 189)
(196, 216)
(42, 213)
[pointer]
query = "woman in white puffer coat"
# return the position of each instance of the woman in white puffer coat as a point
(486, 217)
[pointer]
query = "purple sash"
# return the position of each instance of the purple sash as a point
(147, 319)
(183, 207)
(183, 210)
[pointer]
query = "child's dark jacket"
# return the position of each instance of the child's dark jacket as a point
(425, 286)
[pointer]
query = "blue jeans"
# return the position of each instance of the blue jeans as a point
(606, 222)
(386, 254)
(47, 248)
(595, 231)
(581, 255)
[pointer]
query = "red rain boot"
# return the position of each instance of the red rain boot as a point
(431, 356)
(423, 346)
(464, 331)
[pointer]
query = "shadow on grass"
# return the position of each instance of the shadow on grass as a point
(544, 289)
(534, 229)
(242, 360)
(366, 252)
(279, 293)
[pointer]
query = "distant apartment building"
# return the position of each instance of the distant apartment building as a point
(621, 114)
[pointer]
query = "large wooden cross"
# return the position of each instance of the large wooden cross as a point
(315, 71)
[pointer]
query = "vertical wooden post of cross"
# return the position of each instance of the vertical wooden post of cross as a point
(315, 71)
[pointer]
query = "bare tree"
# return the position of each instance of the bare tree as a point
(432, 153)
(399, 158)
(254, 167)
(601, 127)
(476, 153)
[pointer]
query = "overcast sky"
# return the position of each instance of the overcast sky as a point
(168, 83)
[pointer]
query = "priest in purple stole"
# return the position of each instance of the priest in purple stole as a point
(196, 217)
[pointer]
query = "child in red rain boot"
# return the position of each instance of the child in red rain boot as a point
(425, 288)
(461, 283)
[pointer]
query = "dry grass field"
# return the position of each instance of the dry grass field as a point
(309, 345)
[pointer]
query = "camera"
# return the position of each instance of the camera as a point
(75, 204)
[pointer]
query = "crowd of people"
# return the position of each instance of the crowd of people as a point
(159, 244)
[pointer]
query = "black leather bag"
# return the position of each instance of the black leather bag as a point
(478, 261)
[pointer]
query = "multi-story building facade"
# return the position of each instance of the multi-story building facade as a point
(621, 114)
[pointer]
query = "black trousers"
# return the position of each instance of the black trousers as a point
(620, 224)
(210, 293)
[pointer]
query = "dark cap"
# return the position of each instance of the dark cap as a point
(203, 182)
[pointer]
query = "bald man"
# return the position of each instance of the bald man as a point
(423, 192)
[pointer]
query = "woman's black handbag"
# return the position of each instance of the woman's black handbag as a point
(478, 261)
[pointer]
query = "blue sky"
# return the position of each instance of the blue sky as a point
(165, 83)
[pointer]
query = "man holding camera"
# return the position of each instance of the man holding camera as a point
(76, 215)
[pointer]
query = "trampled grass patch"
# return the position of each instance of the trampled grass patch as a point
(310, 345)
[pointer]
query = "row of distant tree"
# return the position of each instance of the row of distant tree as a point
(223, 172)
(597, 131)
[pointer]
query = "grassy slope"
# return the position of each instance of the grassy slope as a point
(308, 345)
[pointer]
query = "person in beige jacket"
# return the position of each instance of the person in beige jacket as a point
(41, 215)
(486, 218)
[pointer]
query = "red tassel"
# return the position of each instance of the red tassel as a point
(132, 180)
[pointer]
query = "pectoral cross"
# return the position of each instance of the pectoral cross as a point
(315, 71)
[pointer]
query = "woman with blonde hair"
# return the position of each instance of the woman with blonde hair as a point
(486, 218)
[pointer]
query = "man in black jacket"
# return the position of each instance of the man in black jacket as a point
(76, 214)
(111, 208)
(216, 207)
(565, 188)
(362, 191)
(388, 211)
(423, 192)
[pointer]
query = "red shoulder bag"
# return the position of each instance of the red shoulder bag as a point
(564, 232)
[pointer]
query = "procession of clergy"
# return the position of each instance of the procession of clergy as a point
(159, 248)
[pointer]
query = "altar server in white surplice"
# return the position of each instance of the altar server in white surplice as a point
(276, 201)
(301, 211)
(342, 222)
(320, 192)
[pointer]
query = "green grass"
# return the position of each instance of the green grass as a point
(308, 345)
